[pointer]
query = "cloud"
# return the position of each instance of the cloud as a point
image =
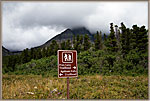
(29, 24)
(128, 12)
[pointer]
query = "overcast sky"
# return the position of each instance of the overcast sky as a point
(30, 24)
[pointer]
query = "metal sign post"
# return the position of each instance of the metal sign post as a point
(67, 65)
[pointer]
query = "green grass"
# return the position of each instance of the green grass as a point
(85, 87)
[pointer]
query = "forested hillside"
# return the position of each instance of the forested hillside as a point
(123, 51)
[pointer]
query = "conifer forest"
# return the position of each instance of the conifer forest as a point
(113, 66)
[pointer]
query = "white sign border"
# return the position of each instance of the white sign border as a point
(72, 57)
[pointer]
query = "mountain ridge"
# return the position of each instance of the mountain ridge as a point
(63, 36)
(68, 34)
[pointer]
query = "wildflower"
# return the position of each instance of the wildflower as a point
(30, 93)
(35, 87)
(51, 91)
(55, 90)
(59, 93)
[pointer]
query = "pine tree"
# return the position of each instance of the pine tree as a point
(133, 38)
(74, 41)
(125, 39)
(32, 53)
(86, 43)
(105, 38)
(11, 63)
(46, 51)
(77, 45)
(96, 36)
(81, 39)
(117, 34)
(98, 41)
(78, 39)
(142, 40)
(68, 45)
(128, 37)
(43, 52)
(53, 48)
(38, 53)
(63, 45)
(25, 56)
(111, 41)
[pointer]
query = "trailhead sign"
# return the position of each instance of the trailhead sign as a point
(67, 63)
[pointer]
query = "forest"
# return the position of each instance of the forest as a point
(123, 51)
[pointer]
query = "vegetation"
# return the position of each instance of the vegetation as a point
(123, 51)
(84, 87)
(112, 67)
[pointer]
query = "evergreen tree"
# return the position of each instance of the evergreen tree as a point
(32, 53)
(117, 31)
(81, 39)
(86, 43)
(25, 56)
(77, 45)
(68, 45)
(105, 38)
(141, 38)
(63, 45)
(38, 53)
(44, 52)
(98, 41)
(11, 63)
(125, 40)
(81, 43)
(143, 47)
(74, 41)
(53, 48)
(78, 38)
(128, 37)
(111, 42)
(118, 41)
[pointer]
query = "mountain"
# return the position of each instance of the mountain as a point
(68, 34)
(5, 51)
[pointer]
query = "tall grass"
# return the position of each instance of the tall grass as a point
(84, 87)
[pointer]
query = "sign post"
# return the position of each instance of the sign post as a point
(67, 87)
(67, 65)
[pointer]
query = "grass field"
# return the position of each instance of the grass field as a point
(85, 87)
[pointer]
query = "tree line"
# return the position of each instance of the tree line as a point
(130, 44)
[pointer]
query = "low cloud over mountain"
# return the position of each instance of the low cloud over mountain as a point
(29, 24)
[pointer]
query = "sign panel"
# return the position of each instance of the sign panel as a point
(67, 63)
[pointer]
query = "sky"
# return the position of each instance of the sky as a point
(30, 24)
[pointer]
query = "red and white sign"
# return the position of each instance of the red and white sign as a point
(67, 63)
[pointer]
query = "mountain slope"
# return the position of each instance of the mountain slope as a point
(5, 51)
(68, 34)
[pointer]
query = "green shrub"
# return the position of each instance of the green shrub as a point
(89, 63)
